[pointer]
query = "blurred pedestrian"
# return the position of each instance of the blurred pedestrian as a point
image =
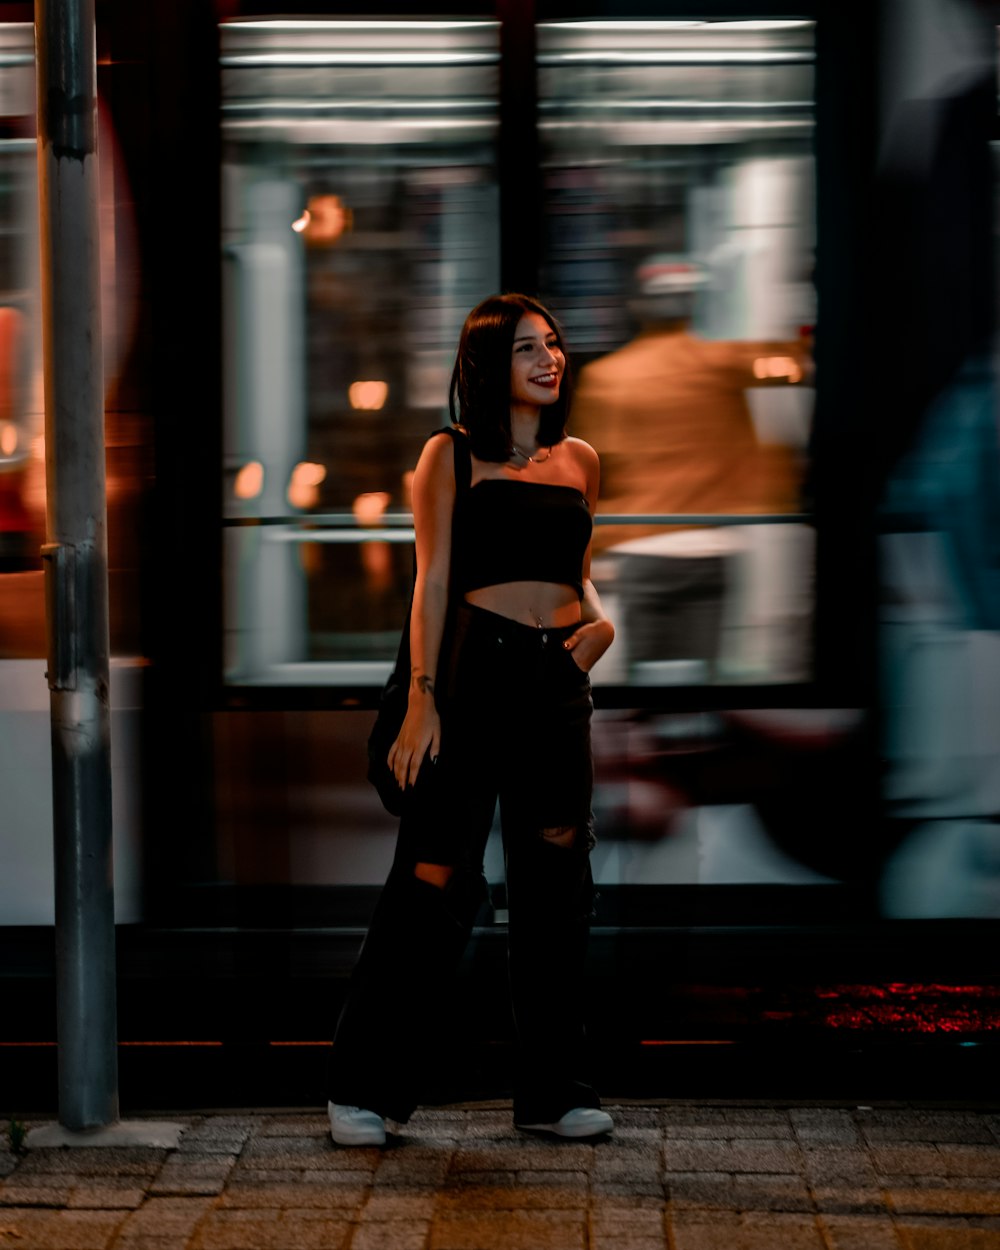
(669, 414)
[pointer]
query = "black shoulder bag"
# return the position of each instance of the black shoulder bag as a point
(396, 692)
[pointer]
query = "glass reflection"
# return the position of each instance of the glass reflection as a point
(360, 224)
(678, 188)
(22, 455)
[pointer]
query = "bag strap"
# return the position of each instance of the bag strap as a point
(463, 458)
(463, 483)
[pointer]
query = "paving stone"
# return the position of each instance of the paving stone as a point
(511, 1230)
(13, 1220)
(209, 1140)
(712, 1126)
(694, 1191)
(293, 1126)
(646, 1187)
(54, 1180)
(646, 1222)
(162, 1217)
(327, 1158)
(859, 1232)
(732, 1233)
(483, 1130)
(218, 1217)
(554, 1156)
(629, 1118)
(732, 1156)
(924, 1160)
(964, 1128)
(463, 1180)
(436, 1115)
(187, 1186)
(636, 1137)
(271, 1231)
(554, 1180)
(628, 1241)
(695, 1116)
(966, 1160)
(815, 1127)
(622, 1204)
(781, 1132)
(391, 1235)
(193, 1174)
(847, 1200)
(935, 1196)
(636, 1156)
(64, 1230)
(105, 1198)
(771, 1193)
(759, 1114)
(146, 1241)
(428, 1139)
(938, 1235)
(624, 1175)
(423, 1173)
(252, 1178)
(139, 1161)
(197, 1163)
(513, 1197)
(288, 1194)
(837, 1164)
(689, 1229)
(13, 1195)
(286, 1150)
(390, 1205)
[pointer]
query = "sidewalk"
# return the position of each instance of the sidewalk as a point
(680, 1176)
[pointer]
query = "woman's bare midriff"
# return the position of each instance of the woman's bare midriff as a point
(531, 603)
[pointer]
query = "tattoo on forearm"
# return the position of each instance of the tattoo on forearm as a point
(423, 683)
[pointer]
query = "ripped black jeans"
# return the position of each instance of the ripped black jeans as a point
(517, 730)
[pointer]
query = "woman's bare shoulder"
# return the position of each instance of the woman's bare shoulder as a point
(438, 450)
(582, 451)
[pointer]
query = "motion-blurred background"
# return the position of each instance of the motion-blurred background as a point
(769, 238)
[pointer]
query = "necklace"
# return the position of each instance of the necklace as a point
(535, 459)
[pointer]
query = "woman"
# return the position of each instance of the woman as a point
(506, 716)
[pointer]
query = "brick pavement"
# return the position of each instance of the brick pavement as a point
(676, 1175)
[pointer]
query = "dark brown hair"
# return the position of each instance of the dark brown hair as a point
(479, 396)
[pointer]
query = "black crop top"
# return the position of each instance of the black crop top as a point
(511, 531)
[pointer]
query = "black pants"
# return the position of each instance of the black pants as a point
(517, 729)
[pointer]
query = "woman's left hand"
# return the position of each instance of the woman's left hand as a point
(589, 643)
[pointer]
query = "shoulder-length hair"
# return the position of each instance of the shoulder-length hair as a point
(479, 396)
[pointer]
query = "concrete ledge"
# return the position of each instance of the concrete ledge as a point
(161, 1134)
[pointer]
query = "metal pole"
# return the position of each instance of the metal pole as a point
(76, 573)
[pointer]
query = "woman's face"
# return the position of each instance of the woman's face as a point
(536, 363)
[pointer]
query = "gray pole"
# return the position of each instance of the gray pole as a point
(76, 573)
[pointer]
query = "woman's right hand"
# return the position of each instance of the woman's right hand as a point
(420, 733)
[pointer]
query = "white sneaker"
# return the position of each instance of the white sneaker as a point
(580, 1122)
(354, 1126)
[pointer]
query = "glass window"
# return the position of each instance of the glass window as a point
(360, 220)
(678, 185)
(22, 465)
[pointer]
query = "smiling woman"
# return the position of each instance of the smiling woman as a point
(504, 629)
(536, 369)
